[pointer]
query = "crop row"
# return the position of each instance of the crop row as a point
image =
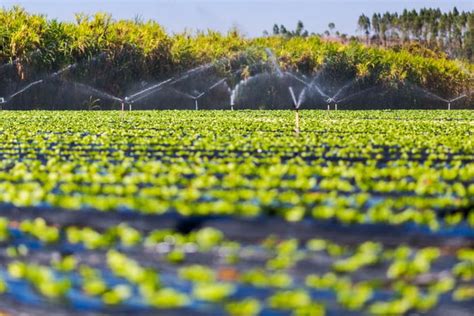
(205, 266)
(233, 212)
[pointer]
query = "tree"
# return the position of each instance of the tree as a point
(376, 25)
(438, 31)
(299, 28)
(470, 38)
(331, 26)
(364, 25)
(276, 29)
(298, 32)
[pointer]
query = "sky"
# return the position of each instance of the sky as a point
(252, 17)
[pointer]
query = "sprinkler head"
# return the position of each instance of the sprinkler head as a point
(330, 100)
(2, 100)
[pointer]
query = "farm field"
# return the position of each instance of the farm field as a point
(232, 212)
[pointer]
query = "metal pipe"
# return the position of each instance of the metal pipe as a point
(449, 106)
(196, 104)
(297, 121)
(335, 106)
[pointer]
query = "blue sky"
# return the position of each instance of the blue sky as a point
(250, 16)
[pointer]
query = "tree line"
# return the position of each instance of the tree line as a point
(448, 33)
(451, 32)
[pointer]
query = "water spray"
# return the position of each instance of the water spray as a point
(350, 96)
(54, 75)
(456, 99)
(274, 62)
(293, 97)
(146, 92)
(437, 97)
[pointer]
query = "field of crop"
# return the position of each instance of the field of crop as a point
(222, 212)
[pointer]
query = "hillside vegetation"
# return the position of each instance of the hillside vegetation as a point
(125, 52)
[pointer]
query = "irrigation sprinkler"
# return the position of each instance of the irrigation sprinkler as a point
(297, 121)
(455, 99)
(2, 101)
(296, 104)
(197, 97)
(332, 100)
(126, 101)
(232, 102)
(196, 103)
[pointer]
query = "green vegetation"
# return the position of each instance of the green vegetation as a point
(131, 51)
(450, 32)
(428, 32)
(408, 170)
(391, 168)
